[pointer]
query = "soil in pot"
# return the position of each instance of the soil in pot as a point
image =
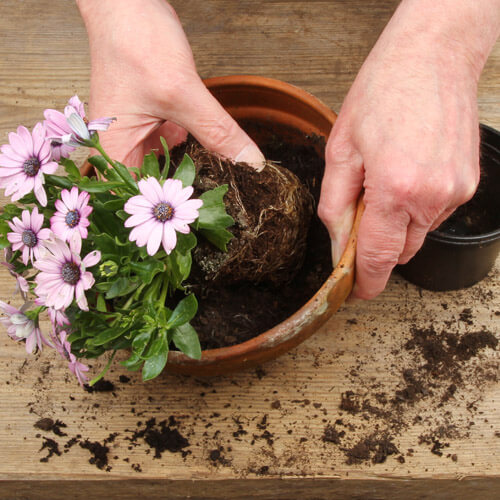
(232, 311)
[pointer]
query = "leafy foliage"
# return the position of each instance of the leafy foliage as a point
(138, 302)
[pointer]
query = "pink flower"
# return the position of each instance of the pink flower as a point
(28, 235)
(159, 212)
(20, 327)
(24, 161)
(71, 218)
(78, 369)
(69, 130)
(21, 283)
(63, 275)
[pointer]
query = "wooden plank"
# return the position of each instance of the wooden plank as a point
(270, 422)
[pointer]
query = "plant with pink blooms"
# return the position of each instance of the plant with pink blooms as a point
(105, 260)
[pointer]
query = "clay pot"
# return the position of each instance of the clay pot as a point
(276, 105)
(291, 113)
(450, 259)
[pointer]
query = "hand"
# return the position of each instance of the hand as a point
(143, 73)
(408, 134)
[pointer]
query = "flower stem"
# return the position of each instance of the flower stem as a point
(104, 371)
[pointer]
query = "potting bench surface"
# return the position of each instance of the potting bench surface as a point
(401, 387)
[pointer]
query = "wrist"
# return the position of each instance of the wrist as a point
(463, 31)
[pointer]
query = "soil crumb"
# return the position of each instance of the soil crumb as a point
(161, 437)
(100, 386)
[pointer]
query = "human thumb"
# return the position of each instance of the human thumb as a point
(340, 189)
(205, 118)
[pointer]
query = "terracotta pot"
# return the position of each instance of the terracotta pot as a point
(291, 113)
(277, 105)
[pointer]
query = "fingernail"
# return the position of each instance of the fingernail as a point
(252, 155)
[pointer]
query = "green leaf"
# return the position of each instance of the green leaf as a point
(101, 303)
(122, 286)
(164, 172)
(133, 363)
(186, 340)
(154, 365)
(95, 186)
(156, 346)
(218, 237)
(99, 162)
(178, 267)
(105, 336)
(212, 214)
(57, 180)
(114, 205)
(186, 171)
(124, 173)
(150, 166)
(183, 312)
(185, 242)
(141, 341)
(147, 269)
(70, 167)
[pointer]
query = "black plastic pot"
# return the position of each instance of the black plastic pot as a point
(450, 259)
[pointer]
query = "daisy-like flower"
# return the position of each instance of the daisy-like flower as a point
(20, 327)
(56, 124)
(28, 235)
(24, 161)
(57, 318)
(159, 211)
(71, 218)
(77, 368)
(63, 275)
(22, 284)
(61, 133)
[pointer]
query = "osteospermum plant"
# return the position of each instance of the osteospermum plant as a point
(106, 258)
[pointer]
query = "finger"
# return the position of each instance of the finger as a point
(215, 129)
(381, 239)
(340, 189)
(415, 235)
(442, 218)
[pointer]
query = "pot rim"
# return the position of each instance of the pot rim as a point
(291, 326)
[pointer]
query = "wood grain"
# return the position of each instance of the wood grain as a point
(319, 46)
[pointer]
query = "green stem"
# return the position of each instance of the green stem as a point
(106, 368)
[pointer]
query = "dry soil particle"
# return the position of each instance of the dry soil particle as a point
(99, 454)
(47, 424)
(100, 386)
(52, 449)
(161, 437)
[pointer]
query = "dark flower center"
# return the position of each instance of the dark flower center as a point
(72, 218)
(163, 212)
(29, 238)
(70, 273)
(31, 167)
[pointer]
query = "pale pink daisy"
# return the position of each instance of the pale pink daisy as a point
(63, 276)
(58, 318)
(28, 235)
(66, 133)
(71, 218)
(22, 284)
(159, 211)
(24, 161)
(20, 327)
(77, 368)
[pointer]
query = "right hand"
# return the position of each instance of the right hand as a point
(143, 73)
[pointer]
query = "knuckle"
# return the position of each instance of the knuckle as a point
(378, 263)
(219, 132)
